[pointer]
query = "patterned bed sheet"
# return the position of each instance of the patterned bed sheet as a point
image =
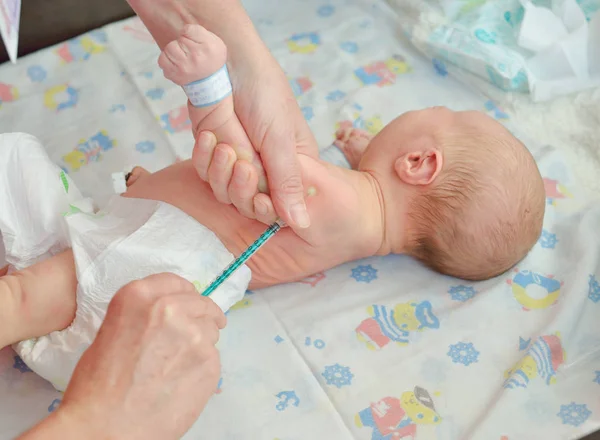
(374, 349)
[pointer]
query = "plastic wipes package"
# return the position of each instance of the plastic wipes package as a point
(547, 48)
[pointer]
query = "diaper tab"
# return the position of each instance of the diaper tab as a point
(211, 90)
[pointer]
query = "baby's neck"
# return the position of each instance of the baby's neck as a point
(346, 210)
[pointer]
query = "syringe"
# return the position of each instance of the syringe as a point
(245, 256)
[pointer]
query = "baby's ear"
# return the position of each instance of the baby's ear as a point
(419, 167)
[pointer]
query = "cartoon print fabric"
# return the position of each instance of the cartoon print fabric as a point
(373, 350)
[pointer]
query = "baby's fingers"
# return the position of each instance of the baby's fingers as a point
(243, 187)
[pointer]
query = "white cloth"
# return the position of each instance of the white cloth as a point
(43, 213)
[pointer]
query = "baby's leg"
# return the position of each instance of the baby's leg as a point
(38, 300)
(353, 143)
(192, 58)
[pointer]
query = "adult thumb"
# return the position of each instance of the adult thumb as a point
(285, 184)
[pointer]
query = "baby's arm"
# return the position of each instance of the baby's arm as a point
(190, 61)
(38, 300)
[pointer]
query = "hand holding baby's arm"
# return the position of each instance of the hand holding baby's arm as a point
(237, 179)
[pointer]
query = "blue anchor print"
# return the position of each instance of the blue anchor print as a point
(286, 398)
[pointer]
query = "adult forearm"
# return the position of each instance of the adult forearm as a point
(226, 18)
(60, 426)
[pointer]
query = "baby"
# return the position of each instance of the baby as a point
(453, 189)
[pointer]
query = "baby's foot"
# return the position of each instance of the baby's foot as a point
(353, 143)
(195, 55)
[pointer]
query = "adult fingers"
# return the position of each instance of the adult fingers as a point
(243, 187)
(280, 159)
(203, 153)
(155, 285)
(190, 305)
(202, 307)
(263, 208)
(137, 296)
(205, 332)
(220, 171)
(199, 318)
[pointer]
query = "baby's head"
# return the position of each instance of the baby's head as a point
(461, 193)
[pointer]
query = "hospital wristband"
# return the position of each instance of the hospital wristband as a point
(209, 91)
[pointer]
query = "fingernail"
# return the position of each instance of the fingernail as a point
(206, 140)
(299, 215)
(220, 156)
(261, 208)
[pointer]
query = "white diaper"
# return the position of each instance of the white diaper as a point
(43, 213)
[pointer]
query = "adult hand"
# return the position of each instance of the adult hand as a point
(151, 369)
(263, 101)
(267, 108)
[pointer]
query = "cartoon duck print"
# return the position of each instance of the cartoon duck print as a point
(82, 48)
(542, 359)
(395, 324)
(382, 73)
(533, 290)
(61, 97)
(393, 418)
(555, 191)
(89, 150)
(176, 120)
(304, 43)
(300, 85)
(8, 93)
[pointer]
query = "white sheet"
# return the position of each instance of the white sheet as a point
(293, 365)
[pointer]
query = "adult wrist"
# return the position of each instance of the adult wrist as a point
(245, 47)
(62, 425)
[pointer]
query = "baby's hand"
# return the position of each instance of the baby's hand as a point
(232, 180)
(353, 143)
